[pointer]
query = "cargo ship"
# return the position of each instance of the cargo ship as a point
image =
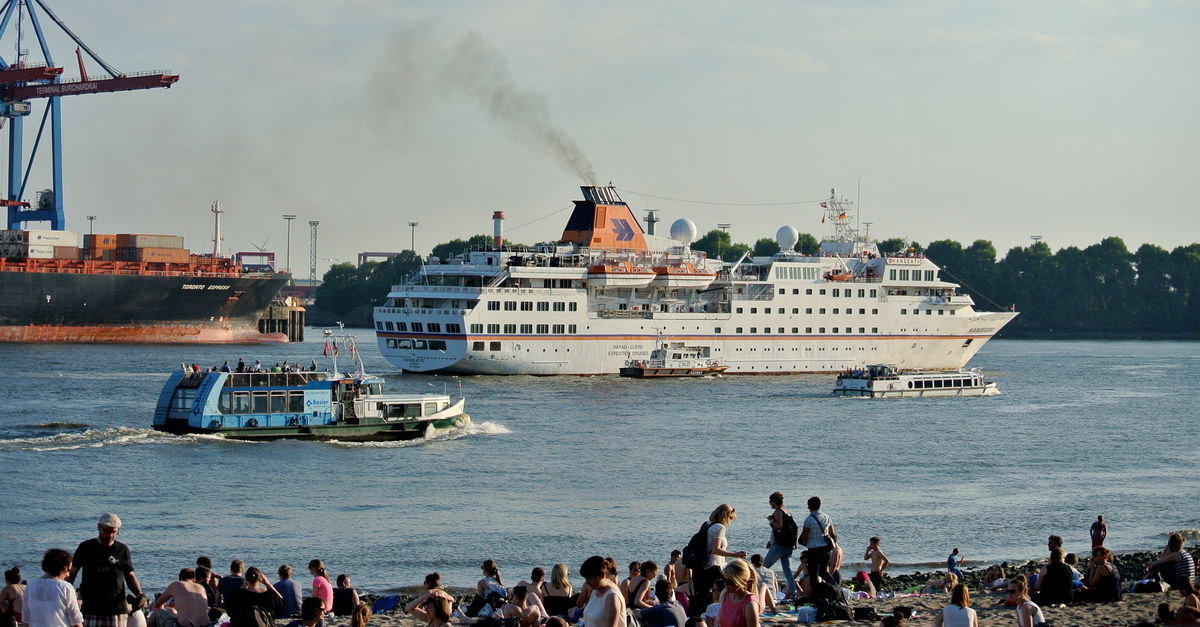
(126, 288)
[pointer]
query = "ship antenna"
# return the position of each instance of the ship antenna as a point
(216, 209)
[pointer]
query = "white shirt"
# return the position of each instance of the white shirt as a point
(50, 603)
(955, 616)
(716, 540)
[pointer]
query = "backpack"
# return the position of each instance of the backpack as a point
(786, 535)
(254, 616)
(695, 554)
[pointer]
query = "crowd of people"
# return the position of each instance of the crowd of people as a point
(257, 366)
(706, 584)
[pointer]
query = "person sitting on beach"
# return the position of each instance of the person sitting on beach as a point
(230, 582)
(255, 599)
(490, 586)
(1188, 612)
(766, 576)
(803, 583)
(605, 608)
(862, 583)
(1053, 542)
(1174, 564)
(682, 573)
(1054, 587)
(1028, 612)
(433, 605)
(740, 604)
(959, 612)
(537, 582)
(204, 579)
(526, 613)
(10, 598)
(994, 579)
(312, 610)
(321, 588)
(361, 616)
(953, 563)
(49, 600)
(639, 594)
(189, 603)
(345, 597)
(635, 576)
(559, 591)
(1104, 580)
(289, 591)
(940, 584)
(710, 612)
(1072, 562)
(668, 612)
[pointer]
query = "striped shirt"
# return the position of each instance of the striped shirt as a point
(817, 523)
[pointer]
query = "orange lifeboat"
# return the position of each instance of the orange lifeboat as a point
(619, 274)
(681, 275)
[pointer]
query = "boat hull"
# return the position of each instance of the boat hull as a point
(652, 372)
(988, 389)
(378, 432)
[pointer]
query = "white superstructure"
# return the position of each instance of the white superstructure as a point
(601, 296)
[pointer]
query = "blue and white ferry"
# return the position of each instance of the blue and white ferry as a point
(306, 405)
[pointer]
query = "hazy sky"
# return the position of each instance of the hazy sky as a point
(1074, 120)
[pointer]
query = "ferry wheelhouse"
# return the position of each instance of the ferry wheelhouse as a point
(597, 298)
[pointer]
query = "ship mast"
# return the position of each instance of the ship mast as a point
(216, 209)
(839, 212)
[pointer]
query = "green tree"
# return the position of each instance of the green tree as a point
(765, 247)
(734, 252)
(946, 253)
(714, 243)
(340, 288)
(892, 245)
(807, 244)
(454, 247)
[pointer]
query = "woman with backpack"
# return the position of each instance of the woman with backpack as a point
(784, 532)
(256, 604)
(716, 550)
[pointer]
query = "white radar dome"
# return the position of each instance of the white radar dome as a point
(683, 230)
(787, 237)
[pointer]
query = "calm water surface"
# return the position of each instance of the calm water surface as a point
(556, 469)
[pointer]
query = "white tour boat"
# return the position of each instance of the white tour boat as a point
(888, 381)
(674, 359)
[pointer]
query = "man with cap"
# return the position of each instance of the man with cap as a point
(107, 568)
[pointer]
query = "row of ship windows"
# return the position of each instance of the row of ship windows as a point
(796, 330)
(415, 344)
(418, 327)
(904, 275)
(837, 292)
(808, 310)
(528, 305)
(558, 329)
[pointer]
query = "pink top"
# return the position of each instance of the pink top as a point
(733, 613)
(323, 590)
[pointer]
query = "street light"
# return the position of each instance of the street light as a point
(289, 217)
(91, 223)
(412, 237)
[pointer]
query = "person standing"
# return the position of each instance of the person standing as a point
(783, 540)
(50, 601)
(107, 569)
(815, 537)
(879, 562)
(953, 563)
(1099, 532)
(718, 550)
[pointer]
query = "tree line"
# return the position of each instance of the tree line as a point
(1103, 289)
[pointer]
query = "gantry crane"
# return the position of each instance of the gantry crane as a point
(21, 82)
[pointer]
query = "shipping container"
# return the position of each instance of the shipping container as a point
(66, 252)
(12, 236)
(100, 242)
(141, 240)
(162, 255)
(36, 251)
(13, 251)
(95, 254)
(52, 238)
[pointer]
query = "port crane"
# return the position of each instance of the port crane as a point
(22, 81)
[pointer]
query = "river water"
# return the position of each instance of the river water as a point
(556, 469)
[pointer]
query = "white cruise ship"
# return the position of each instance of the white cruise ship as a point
(608, 290)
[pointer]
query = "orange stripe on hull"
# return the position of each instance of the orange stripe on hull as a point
(137, 335)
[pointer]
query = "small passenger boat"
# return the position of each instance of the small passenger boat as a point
(674, 360)
(886, 381)
(305, 405)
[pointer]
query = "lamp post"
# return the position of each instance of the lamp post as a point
(724, 226)
(91, 223)
(289, 217)
(412, 237)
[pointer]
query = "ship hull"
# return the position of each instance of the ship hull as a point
(136, 308)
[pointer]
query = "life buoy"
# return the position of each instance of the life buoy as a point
(293, 421)
(253, 422)
(891, 387)
(839, 382)
(215, 424)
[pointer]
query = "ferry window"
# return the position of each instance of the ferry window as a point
(916, 312)
(835, 293)
(716, 329)
(910, 384)
(904, 275)
(495, 346)
(874, 311)
(835, 329)
(261, 403)
(476, 328)
(454, 327)
(766, 329)
(892, 274)
(543, 328)
(401, 326)
(782, 291)
(847, 294)
(780, 330)
(493, 328)
(873, 293)
(241, 402)
(572, 306)
(419, 345)
(379, 326)
(754, 310)
(510, 328)
(862, 293)
(808, 310)
(476, 346)
(821, 292)
(739, 310)
(929, 312)
(526, 305)
(862, 329)
(543, 306)
(941, 312)
(295, 402)
(560, 306)
(560, 329)
(821, 330)
(903, 312)
(768, 310)
(225, 402)
(435, 327)
(796, 291)
(404, 344)
(510, 305)
(571, 328)
(754, 329)
(527, 328)
(808, 292)
(874, 329)
(929, 275)
(437, 345)
(835, 310)
(739, 330)
(862, 311)
(663, 307)
(391, 343)
(795, 310)
(493, 305)
(821, 310)
(417, 327)
(430, 408)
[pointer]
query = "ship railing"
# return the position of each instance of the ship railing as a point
(624, 313)
(535, 291)
(436, 312)
(444, 289)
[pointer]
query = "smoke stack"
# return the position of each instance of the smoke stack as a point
(498, 229)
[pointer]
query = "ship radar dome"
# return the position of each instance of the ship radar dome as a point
(787, 237)
(683, 230)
